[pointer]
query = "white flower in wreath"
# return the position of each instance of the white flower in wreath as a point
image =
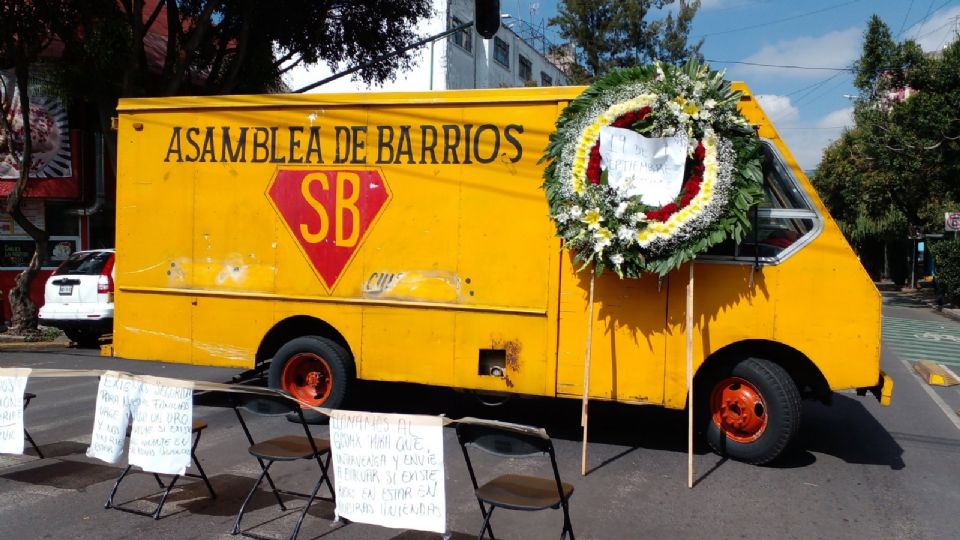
(575, 212)
(626, 234)
(638, 217)
(616, 259)
(603, 238)
(621, 209)
(709, 104)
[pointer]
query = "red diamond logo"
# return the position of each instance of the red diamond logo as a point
(328, 212)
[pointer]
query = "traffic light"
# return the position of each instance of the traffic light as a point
(487, 17)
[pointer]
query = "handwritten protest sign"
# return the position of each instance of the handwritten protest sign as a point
(162, 425)
(648, 167)
(117, 395)
(12, 383)
(389, 469)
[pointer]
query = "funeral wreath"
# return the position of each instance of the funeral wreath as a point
(651, 166)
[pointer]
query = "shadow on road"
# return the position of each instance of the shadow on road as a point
(73, 475)
(845, 430)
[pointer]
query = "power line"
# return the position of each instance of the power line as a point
(777, 65)
(905, 17)
(776, 21)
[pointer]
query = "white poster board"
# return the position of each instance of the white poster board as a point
(117, 395)
(162, 429)
(389, 469)
(12, 384)
(648, 167)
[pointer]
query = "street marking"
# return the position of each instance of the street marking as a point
(953, 418)
(923, 340)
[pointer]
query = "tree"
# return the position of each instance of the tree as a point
(895, 173)
(24, 34)
(133, 48)
(608, 34)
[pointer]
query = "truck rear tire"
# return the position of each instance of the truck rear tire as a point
(315, 370)
(752, 409)
(83, 338)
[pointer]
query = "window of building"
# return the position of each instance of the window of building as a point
(501, 52)
(525, 69)
(783, 221)
(545, 80)
(463, 38)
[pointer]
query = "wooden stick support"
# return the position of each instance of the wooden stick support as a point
(689, 323)
(586, 376)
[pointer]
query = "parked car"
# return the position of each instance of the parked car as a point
(78, 296)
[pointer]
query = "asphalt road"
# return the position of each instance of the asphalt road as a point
(858, 470)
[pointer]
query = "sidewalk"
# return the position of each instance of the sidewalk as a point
(925, 295)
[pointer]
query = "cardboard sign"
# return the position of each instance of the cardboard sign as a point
(162, 427)
(116, 397)
(12, 383)
(648, 167)
(389, 469)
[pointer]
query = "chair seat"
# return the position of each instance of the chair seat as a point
(519, 492)
(288, 447)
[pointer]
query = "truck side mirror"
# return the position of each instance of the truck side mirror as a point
(486, 17)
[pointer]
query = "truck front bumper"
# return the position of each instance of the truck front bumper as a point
(883, 390)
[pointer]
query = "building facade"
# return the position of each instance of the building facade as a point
(462, 60)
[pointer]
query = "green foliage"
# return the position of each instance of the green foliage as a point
(897, 169)
(946, 256)
(607, 34)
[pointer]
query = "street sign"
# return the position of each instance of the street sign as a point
(952, 221)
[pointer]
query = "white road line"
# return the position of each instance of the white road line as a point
(951, 416)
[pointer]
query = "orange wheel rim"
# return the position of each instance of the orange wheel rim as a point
(307, 377)
(738, 410)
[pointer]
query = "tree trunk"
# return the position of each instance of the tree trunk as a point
(24, 319)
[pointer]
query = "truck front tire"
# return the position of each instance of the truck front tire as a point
(752, 409)
(315, 370)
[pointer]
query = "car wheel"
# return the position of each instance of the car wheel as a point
(752, 409)
(315, 370)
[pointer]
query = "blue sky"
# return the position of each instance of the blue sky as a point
(808, 106)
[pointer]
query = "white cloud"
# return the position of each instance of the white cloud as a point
(807, 140)
(938, 30)
(778, 108)
(832, 50)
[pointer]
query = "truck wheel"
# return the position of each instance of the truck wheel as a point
(754, 411)
(315, 370)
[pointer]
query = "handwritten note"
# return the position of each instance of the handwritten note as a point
(389, 469)
(116, 397)
(12, 383)
(648, 167)
(162, 426)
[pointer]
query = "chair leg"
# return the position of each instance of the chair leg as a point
(486, 521)
(276, 492)
(32, 443)
(313, 495)
(115, 486)
(246, 501)
(203, 475)
(567, 526)
(163, 499)
(159, 481)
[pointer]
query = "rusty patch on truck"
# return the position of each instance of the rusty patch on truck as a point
(512, 349)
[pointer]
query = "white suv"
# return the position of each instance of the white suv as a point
(78, 297)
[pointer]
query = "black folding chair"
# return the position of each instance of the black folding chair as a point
(27, 396)
(198, 427)
(514, 491)
(284, 448)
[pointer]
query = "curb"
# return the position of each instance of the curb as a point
(13, 343)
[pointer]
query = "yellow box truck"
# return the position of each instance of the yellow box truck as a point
(406, 237)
